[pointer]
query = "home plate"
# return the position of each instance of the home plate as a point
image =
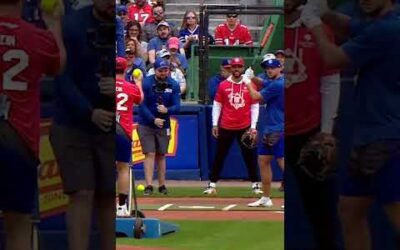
(197, 207)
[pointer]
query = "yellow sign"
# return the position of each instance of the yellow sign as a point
(137, 154)
(51, 197)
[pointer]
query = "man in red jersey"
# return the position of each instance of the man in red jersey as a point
(141, 11)
(26, 54)
(233, 114)
(232, 32)
(311, 100)
(127, 94)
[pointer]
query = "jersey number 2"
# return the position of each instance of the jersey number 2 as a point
(122, 99)
(8, 75)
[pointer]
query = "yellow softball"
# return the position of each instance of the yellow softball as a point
(48, 6)
(136, 73)
(140, 187)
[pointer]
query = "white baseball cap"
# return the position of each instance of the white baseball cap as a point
(268, 56)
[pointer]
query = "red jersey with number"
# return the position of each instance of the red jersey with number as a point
(142, 15)
(236, 105)
(240, 35)
(127, 94)
(303, 71)
(27, 53)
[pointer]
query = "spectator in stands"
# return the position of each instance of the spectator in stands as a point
(134, 60)
(150, 30)
(134, 32)
(161, 99)
(189, 33)
(122, 12)
(281, 56)
(232, 32)
(213, 82)
(119, 36)
(176, 72)
(141, 11)
(160, 41)
(177, 58)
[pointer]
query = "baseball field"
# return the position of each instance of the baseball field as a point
(219, 222)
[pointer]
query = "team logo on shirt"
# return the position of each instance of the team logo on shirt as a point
(236, 100)
(295, 70)
(307, 41)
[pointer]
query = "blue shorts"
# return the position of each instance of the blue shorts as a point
(384, 185)
(277, 150)
(18, 173)
(123, 148)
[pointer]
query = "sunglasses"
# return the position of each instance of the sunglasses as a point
(232, 15)
(190, 17)
(158, 13)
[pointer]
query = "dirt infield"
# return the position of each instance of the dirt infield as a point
(210, 215)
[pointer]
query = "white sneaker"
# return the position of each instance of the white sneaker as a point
(211, 188)
(263, 202)
(256, 188)
(122, 211)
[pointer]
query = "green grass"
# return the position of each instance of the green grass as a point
(235, 192)
(218, 235)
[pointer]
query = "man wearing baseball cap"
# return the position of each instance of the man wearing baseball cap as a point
(234, 114)
(272, 137)
(177, 57)
(160, 41)
(126, 95)
(161, 99)
(214, 81)
(150, 29)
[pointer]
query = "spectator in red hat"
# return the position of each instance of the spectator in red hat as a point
(177, 57)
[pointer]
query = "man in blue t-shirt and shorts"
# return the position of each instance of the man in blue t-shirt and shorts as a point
(372, 172)
(271, 142)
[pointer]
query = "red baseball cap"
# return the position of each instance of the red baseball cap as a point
(237, 61)
(173, 43)
(121, 63)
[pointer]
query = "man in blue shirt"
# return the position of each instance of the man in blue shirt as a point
(160, 41)
(373, 172)
(82, 134)
(272, 143)
(214, 81)
(161, 100)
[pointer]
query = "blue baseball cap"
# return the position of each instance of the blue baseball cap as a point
(271, 63)
(161, 63)
(226, 63)
(122, 8)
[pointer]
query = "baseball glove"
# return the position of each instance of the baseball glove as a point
(271, 139)
(317, 157)
(249, 139)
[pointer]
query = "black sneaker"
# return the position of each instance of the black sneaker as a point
(163, 190)
(148, 190)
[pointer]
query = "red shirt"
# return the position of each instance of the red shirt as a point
(142, 15)
(26, 53)
(240, 35)
(127, 94)
(236, 105)
(303, 71)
